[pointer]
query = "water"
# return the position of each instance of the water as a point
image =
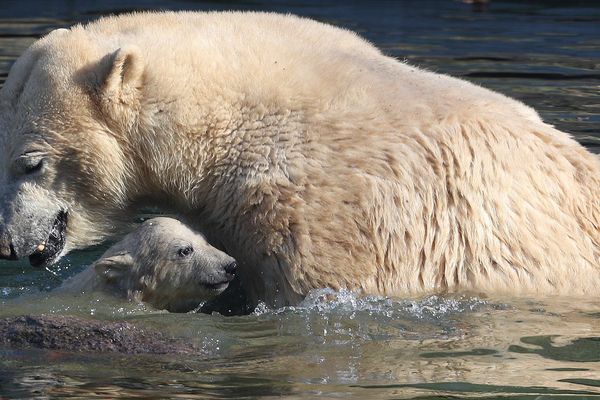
(336, 345)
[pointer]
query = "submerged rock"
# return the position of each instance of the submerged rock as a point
(67, 333)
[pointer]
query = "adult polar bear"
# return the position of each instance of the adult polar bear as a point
(298, 148)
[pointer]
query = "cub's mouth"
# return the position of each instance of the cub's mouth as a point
(48, 251)
(216, 287)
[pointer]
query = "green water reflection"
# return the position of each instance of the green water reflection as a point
(580, 350)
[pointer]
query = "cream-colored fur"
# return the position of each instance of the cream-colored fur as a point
(162, 263)
(306, 154)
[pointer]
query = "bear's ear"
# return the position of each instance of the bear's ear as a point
(114, 267)
(124, 76)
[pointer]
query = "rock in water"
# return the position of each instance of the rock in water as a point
(68, 333)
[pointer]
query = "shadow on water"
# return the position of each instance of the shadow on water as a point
(335, 345)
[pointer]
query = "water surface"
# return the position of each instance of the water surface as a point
(335, 345)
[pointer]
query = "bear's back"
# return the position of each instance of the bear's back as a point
(285, 56)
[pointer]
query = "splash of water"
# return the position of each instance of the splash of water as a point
(345, 317)
(344, 301)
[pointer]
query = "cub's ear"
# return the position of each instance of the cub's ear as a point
(124, 76)
(114, 267)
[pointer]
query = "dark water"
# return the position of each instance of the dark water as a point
(545, 53)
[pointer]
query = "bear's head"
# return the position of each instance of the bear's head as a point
(65, 176)
(167, 265)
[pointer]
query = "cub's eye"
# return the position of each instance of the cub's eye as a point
(185, 251)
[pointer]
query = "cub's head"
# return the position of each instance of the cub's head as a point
(167, 265)
(65, 174)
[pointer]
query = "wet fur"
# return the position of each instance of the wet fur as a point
(309, 156)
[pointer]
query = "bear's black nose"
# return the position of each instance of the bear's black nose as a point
(231, 267)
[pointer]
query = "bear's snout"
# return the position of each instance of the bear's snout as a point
(230, 269)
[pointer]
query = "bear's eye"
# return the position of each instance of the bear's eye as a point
(33, 165)
(185, 251)
(29, 164)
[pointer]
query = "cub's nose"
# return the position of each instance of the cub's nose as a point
(230, 268)
(7, 251)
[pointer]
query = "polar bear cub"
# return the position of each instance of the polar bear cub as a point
(163, 263)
